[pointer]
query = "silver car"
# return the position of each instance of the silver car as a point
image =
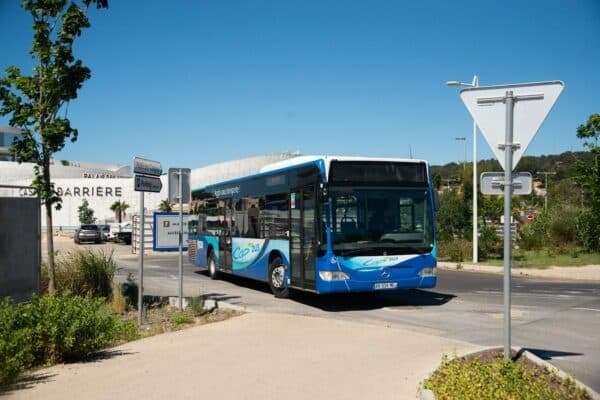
(88, 233)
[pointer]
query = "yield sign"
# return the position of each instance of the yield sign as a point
(533, 102)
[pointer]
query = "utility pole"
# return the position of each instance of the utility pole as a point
(546, 187)
(464, 139)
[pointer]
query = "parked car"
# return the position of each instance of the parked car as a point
(105, 232)
(124, 233)
(88, 233)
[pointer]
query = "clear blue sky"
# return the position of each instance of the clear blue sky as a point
(191, 83)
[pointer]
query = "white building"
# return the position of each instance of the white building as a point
(103, 184)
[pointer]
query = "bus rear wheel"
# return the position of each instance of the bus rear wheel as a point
(277, 278)
(212, 266)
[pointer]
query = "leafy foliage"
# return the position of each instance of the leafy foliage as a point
(119, 207)
(55, 329)
(165, 206)
(86, 214)
(498, 379)
(34, 102)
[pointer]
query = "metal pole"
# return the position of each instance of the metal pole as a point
(508, 155)
(141, 259)
(475, 210)
(180, 194)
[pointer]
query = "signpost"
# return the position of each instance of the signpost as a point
(509, 116)
(179, 191)
(493, 183)
(147, 179)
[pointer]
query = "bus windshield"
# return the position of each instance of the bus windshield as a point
(381, 221)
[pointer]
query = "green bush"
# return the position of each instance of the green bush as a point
(489, 244)
(456, 250)
(498, 379)
(179, 318)
(55, 329)
(15, 346)
(83, 273)
(562, 227)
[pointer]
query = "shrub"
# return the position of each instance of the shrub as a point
(15, 346)
(179, 318)
(68, 328)
(456, 250)
(489, 243)
(562, 227)
(497, 379)
(83, 273)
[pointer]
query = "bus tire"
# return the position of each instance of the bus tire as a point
(277, 278)
(212, 266)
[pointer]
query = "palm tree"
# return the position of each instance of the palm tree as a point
(119, 207)
(165, 206)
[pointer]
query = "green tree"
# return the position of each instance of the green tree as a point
(588, 176)
(453, 217)
(86, 214)
(34, 102)
(165, 206)
(119, 207)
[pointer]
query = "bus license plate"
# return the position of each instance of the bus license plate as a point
(386, 285)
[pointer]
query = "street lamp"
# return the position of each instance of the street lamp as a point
(475, 83)
(464, 139)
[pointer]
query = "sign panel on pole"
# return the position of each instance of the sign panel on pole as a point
(147, 184)
(166, 231)
(174, 185)
(493, 183)
(533, 102)
(146, 167)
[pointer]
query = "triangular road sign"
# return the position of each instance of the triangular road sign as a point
(529, 113)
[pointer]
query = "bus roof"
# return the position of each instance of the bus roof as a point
(304, 160)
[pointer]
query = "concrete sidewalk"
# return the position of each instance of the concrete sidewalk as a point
(254, 356)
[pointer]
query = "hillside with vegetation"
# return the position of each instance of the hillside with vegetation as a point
(563, 218)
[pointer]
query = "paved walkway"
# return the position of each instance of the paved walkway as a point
(255, 356)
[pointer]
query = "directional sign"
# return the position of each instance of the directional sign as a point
(493, 183)
(146, 167)
(533, 102)
(147, 184)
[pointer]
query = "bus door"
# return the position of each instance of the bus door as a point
(303, 236)
(225, 232)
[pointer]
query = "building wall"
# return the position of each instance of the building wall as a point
(103, 184)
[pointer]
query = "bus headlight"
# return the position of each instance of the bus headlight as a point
(333, 275)
(430, 271)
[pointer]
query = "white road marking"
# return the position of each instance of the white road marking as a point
(586, 309)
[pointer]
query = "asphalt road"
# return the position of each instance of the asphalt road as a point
(558, 321)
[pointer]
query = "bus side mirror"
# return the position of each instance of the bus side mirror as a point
(436, 199)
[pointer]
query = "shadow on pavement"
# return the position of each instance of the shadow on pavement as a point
(27, 382)
(402, 299)
(546, 354)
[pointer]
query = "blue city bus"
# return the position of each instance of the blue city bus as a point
(322, 224)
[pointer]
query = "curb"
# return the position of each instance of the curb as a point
(426, 394)
(518, 272)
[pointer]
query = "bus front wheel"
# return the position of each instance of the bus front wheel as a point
(277, 278)
(212, 266)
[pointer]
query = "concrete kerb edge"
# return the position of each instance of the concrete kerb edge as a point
(426, 394)
(523, 272)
